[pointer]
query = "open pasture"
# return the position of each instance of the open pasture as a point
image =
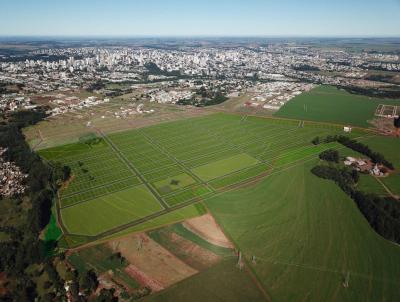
(176, 164)
(306, 236)
(329, 104)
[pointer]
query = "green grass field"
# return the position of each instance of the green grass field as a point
(306, 234)
(328, 104)
(223, 282)
(173, 183)
(182, 214)
(127, 176)
(103, 213)
(369, 184)
(224, 166)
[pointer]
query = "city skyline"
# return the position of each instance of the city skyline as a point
(179, 18)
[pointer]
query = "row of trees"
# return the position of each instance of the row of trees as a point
(382, 213)
(376, 157)
(372, 92)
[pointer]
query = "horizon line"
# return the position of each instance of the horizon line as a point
(350, 36)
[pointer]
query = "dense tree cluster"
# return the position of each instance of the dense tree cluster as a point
(96, 86)
(106, 295)
(24, 247)
(344, 177)
(215, 100)
(382, 213)
(6, 88)
(153, 69)
(386, 78)
(396, 122)
(90, 139)
(330, 155)
(372, 92)
(305, 67)
(376, 157)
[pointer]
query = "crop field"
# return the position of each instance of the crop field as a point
(109, 211)
(307, 236)
(328, 104)
(125, 179)
(222, 282)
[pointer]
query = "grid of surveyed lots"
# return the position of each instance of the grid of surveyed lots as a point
(96, 171)
(183, 160)
(193, 158)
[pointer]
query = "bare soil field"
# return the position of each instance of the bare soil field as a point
(206, 227)
(143, 278)
(151, 259)
(67, 128)
(192, 254)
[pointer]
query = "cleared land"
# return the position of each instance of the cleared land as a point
(329, 104)
(206, 228)
(157, 259)
(152, 259)
(122, 180)
(387, 111)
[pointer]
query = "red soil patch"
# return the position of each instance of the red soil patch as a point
(207, 228)
(143, 279)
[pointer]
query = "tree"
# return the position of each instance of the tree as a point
(316, 140)
(106, 295)
(396, 122)
(47, 284)
(330, 155)
(61, 173)
(88, 281)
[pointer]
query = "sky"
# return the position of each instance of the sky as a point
(200, 18)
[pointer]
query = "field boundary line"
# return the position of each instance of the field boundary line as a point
(102, 195)
(133, 169)
(386, 188)
(167, 210)
(97, 186)
(187, 170)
